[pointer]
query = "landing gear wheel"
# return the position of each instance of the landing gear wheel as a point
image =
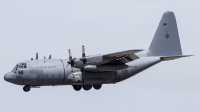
(87, 87)
(97, 86)
(77, 87)
(26, 88)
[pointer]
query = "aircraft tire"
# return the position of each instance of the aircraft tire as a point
(97, 86)
(87, 87)
(26, 88)
(77, 87)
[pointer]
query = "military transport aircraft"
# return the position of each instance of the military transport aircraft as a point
(93, 71)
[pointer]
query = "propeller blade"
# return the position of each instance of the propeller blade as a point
(70, 55)
(71, 69)
(36, 56)
(44, 57)
(83, 59)
(71, 61)
(83, 51)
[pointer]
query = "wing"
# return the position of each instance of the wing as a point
(122, 57)
(111, 62)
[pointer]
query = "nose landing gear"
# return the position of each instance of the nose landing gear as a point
(26, 88)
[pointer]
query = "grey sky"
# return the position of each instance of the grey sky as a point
(52, 27)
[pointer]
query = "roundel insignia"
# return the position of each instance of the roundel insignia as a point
(167, 34)
(124, 71)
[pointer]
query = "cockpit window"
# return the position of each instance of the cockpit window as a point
(15, 68)
(22, 65)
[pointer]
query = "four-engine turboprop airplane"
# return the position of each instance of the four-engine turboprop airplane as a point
(93, 71)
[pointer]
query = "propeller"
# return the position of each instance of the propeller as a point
(83, 59)
(71, 61)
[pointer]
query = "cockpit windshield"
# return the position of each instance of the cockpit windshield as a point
(20, 65)
(15, 68)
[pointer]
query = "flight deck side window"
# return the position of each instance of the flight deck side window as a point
(20, 72)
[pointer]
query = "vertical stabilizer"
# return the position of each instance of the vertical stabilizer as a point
(166, 39)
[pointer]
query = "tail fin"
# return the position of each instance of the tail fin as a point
(166, 39)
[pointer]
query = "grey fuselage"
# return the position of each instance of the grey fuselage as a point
(47, 72)
(93, 71)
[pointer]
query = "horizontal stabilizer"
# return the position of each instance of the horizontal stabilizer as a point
(166, 58)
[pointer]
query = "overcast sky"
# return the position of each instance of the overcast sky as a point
(52, 27)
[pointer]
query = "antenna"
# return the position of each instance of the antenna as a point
(36, 56)
(49, 56)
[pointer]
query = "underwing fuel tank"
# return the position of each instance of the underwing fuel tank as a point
(99, 68)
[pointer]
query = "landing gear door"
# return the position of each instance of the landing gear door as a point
(19, 76)
(36, 76)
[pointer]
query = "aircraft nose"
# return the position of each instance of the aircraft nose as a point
(9, 77)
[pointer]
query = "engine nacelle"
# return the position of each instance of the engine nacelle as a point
(91, 60)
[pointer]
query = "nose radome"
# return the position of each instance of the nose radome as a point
(9, 76)
(6, 77)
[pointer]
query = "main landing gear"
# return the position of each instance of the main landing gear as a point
(97, 86)
(87, 87)
(77, 87)
(26, 88)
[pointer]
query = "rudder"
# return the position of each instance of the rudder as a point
(166, 39)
